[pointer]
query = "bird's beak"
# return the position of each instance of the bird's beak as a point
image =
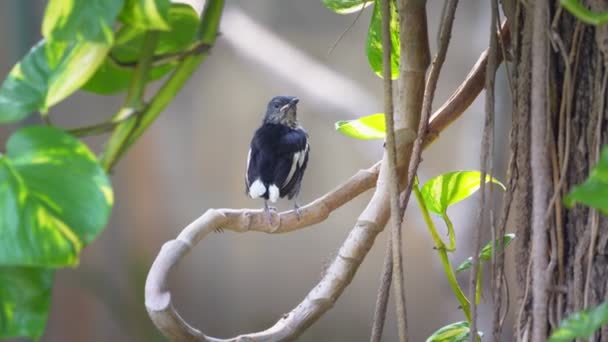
(291, 104)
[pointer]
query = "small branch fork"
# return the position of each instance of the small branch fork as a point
(341, 270)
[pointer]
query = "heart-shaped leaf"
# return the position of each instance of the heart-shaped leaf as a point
(455, 332)
(452, 187)
(365, 128)
(374, 41)
(77, 20)
(54, 198)
(33, 85)
(486, 252)
(593, 191)
(115, 73)
(346, 6)
(581, 324)
(25, 296)
(146, 14)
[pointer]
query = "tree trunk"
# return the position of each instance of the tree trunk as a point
(577, 62)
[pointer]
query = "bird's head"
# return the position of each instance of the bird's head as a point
(282, 110)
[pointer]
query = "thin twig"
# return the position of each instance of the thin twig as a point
(383, 292)
(540, 166)
(391, 152)
(443, 37)
(487, 153)
(429, 95)
(333, 46)
(473, 84)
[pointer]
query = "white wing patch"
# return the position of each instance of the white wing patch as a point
(294, 166)
(247, 170)
(303, 155)
(257, 189)
(298, 160)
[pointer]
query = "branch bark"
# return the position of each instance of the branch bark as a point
(393, 174)
(487, 154)
(539, 163)
(342, 269)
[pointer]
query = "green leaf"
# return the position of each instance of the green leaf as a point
(78, 20)
(455, 332)
(146, 14)
(374, 41)
(486, 252)
(33, 85)
(346, 6)
(452, 187)
(114, 76)
(54, 198)
(593, 191)
(25, 296)
(365, 128)
(581, 324)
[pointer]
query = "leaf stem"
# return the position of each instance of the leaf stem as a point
(451, 233)
(100, 128)
(133, 103)
(208, 34)
(443, 253)
(164, 59)
(576, 8)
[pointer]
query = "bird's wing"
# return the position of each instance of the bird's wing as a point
(292, 188)
(261, 161)
(252, 174)
(292, 158)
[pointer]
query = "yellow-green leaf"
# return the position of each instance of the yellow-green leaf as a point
(374, 41)
(365, 128)
(54, 198)
(487, 251)
(25, 298)
(146, 14)
(455, 332)
(34, 85)
(76, 20)
(452, 187)
(346, 6)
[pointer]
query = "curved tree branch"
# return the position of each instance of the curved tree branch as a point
(342, 269)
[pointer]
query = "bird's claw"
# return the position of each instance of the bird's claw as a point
(298, 211)
(267, 210)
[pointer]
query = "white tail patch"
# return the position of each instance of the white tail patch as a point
(257, 189)
(273, 193)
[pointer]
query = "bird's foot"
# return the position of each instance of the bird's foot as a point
(297, 210)
(268, 210)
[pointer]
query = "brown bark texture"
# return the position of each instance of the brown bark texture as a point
(575, 115)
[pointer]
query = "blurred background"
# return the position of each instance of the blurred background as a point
(193, 158)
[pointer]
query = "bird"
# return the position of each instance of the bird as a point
(278, 155)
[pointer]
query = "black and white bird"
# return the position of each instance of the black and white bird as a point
(278, 155)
